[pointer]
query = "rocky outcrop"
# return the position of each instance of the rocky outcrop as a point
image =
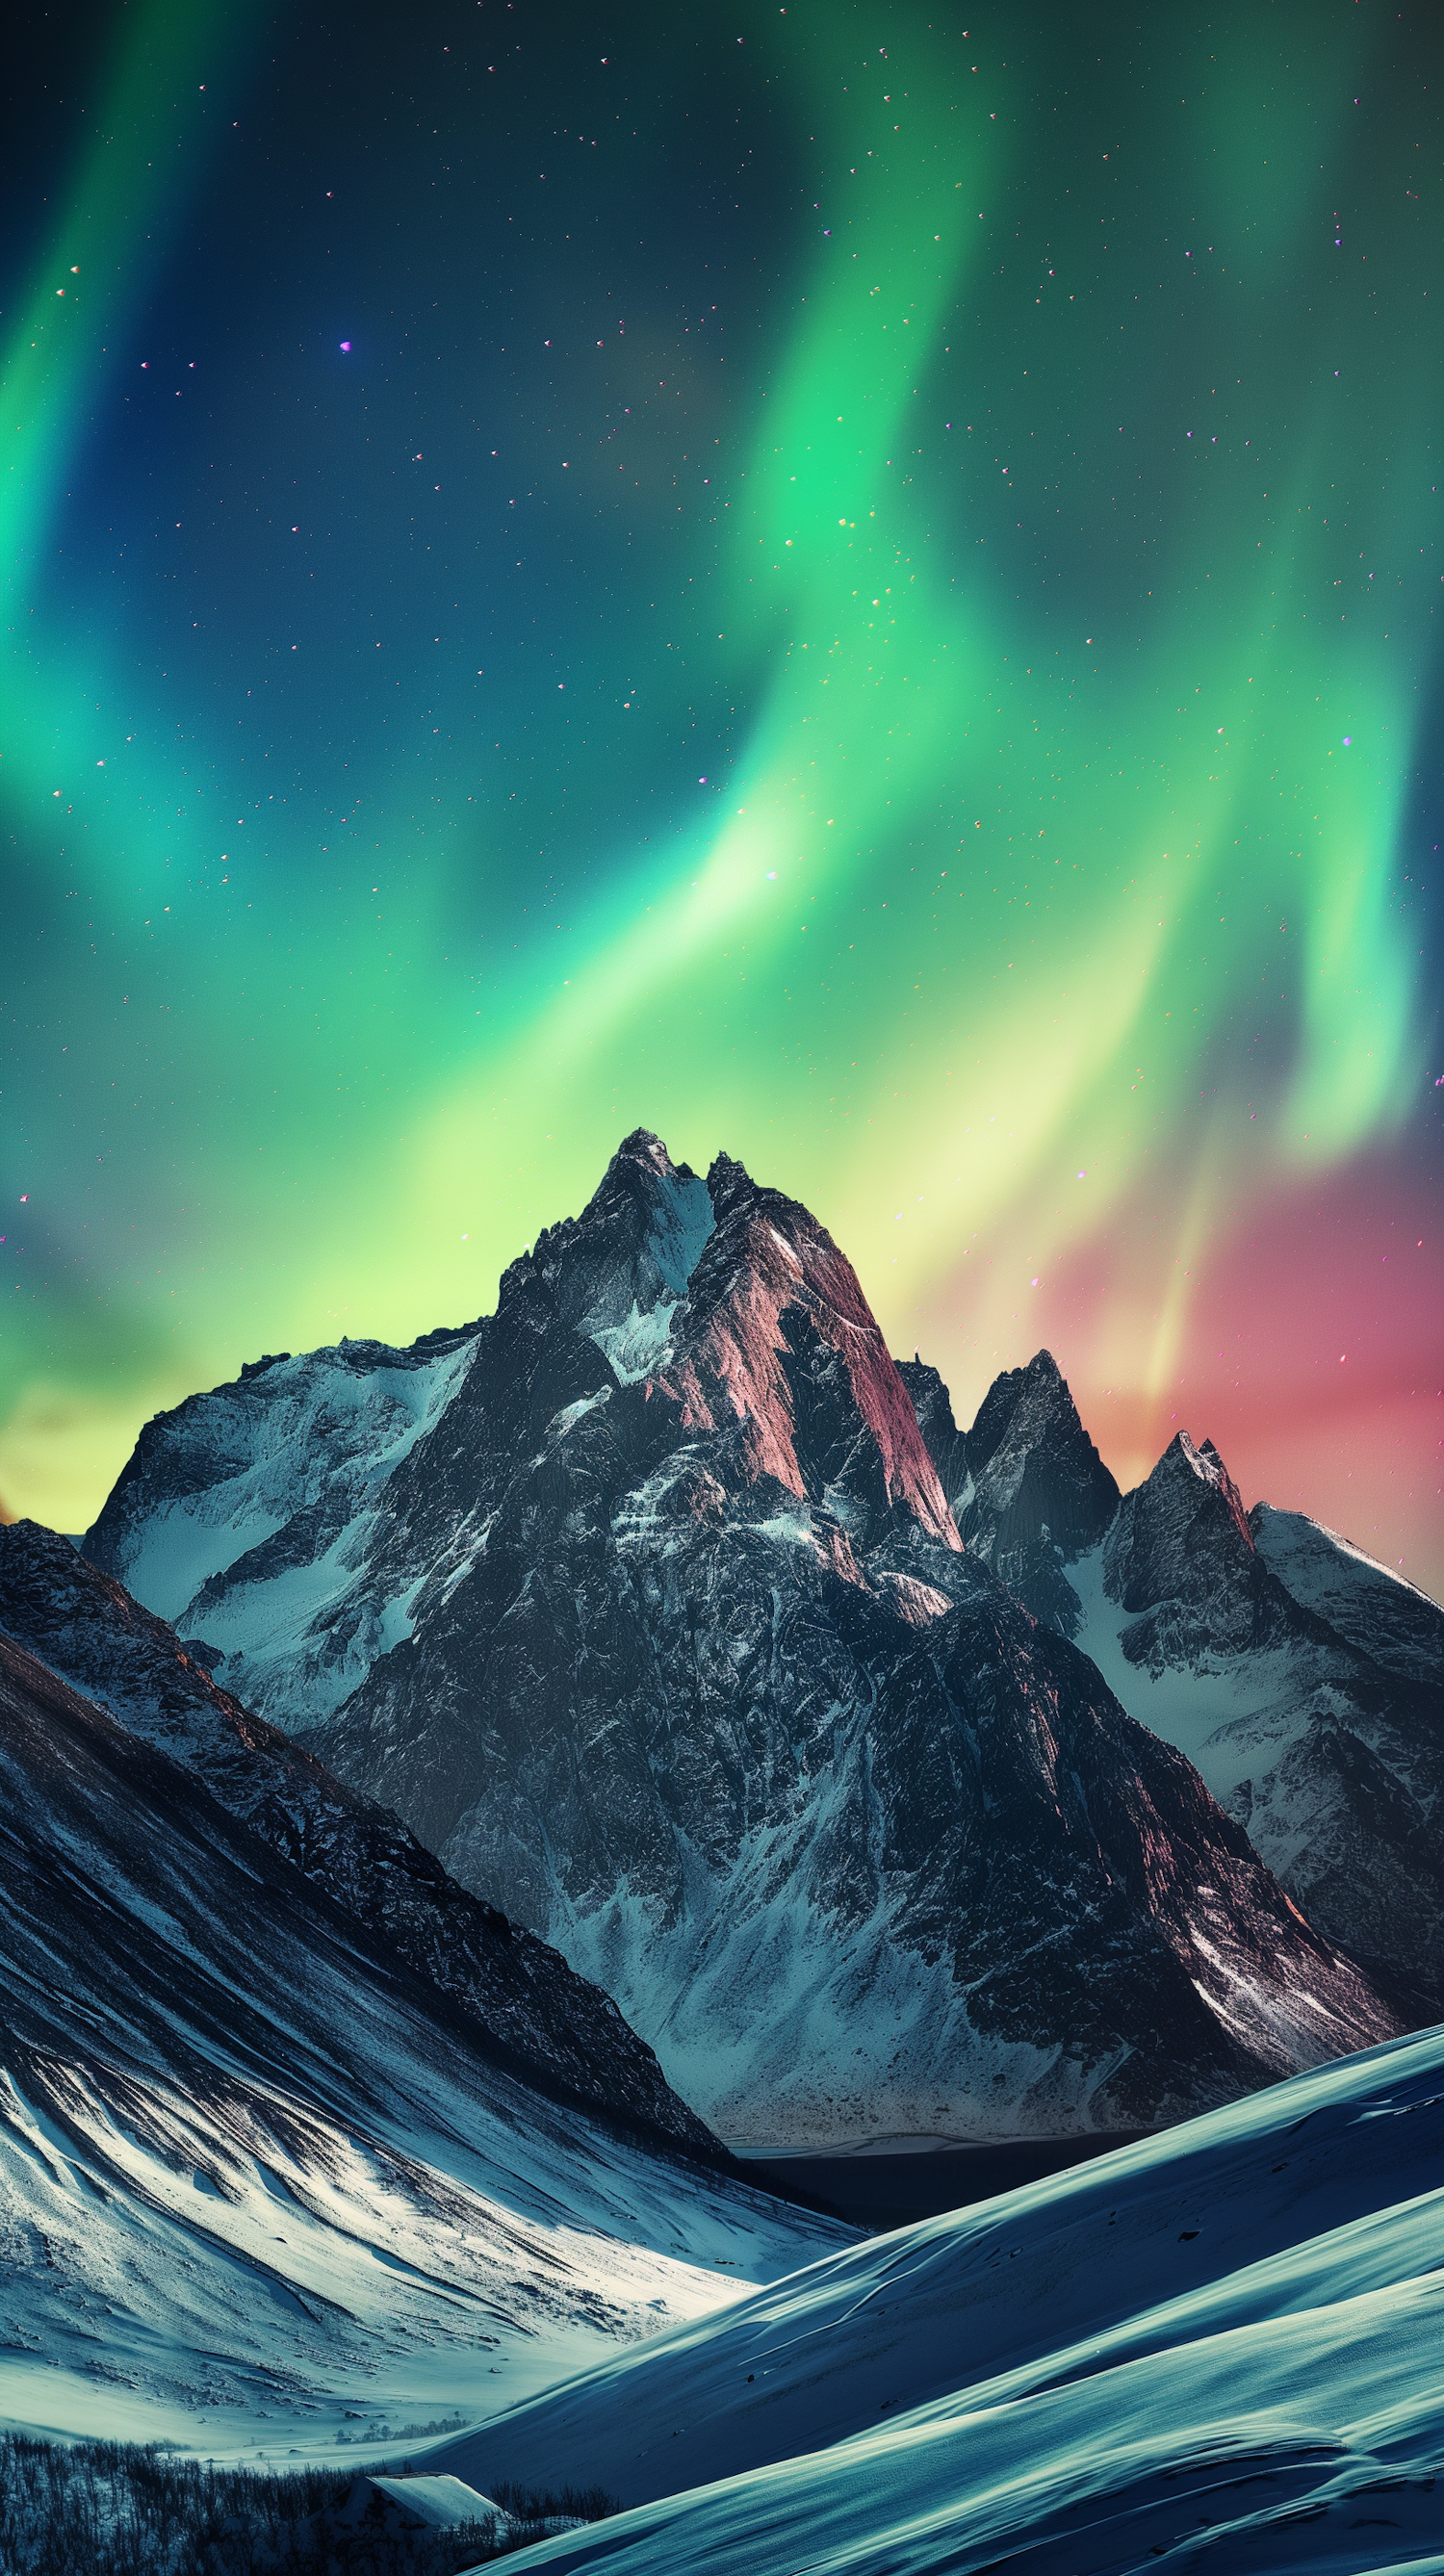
(1182, 1555)
(1026, 1486)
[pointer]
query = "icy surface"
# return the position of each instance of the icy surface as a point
(641, 1344)
(1218, 2349)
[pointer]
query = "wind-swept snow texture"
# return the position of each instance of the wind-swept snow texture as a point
(281, 1487)
(256, 2180)
(86, 1627)
(1217, 2350)
(699, 1682)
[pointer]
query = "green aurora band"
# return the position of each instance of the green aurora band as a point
(1057, 568)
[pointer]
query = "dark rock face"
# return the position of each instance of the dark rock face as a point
(1182, 1553)
(1041, 1493)
(520, 1994)
(658, 1628)
(1027, 1488)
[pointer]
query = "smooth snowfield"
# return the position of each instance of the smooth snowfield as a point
(1221, 2328)
(1304, 2444)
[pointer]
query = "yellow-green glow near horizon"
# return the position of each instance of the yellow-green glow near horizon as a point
(1052, 587)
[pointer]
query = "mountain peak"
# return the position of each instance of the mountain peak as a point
(780, 1340)
(1184, 1532)
(647, 1610)
(615, 1273)
(1205, 1463)
(1037, 1493)
(642, 1146)
(729, 1184)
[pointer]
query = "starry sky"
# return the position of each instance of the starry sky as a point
(859, 584)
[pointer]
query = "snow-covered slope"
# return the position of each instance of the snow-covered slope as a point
(521, 1993)
(256, 2181)
(700, 1683)
(1218, 2349)
(1389, 1620)
(275, 1489)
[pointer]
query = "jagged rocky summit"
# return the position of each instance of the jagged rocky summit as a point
(646, 1601)
(1304, 1681)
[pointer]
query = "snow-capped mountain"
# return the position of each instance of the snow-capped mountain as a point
(1216, 2350)
(1304, 1681)
(643, 1602)
(521, 1994)
(257, 2180)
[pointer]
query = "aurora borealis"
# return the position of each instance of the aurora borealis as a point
(854, 587)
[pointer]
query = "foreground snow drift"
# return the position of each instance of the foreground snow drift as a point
(1308, 2443)
(1221, 2345)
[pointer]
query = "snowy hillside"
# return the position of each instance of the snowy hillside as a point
(257, 2183)
(1217, 2349)
(647, 1609)
(1370, 1604)
(520, 1993)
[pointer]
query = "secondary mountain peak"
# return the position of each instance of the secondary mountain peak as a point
(1026, 1484)
(1182, 1533)
(1302, 1678)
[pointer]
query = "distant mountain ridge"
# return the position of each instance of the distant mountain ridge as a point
(1305, 1681)
(684, 1625)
